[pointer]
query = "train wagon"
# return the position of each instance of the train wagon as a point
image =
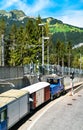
(39, 93)
(3, 115)
(4, 101)
(15, 106)
(56, 85)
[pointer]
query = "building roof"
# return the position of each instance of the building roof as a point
(78, 45)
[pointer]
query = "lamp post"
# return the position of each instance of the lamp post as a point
(43, 38)
(69, 61)
(42, 24)
(48, 58)
(80, 63)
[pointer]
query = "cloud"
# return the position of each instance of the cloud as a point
(6, 4)
(25, 6)
(73, 17)
(64, 10)
(34, 8)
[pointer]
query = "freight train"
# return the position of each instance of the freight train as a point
(16, 104)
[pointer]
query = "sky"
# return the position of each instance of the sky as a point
(68, 11)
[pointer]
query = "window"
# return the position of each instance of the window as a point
(3, 115)
(53, 81)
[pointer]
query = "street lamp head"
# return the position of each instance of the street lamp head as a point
(46, 38)
(41, 24)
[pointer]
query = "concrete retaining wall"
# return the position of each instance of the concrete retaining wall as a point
(14, 77)
(11, 72)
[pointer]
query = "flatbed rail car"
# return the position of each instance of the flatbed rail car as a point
(39, 93)
(56, 85)
(14, 105)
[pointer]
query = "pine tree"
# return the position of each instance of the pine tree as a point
(2, 32)
(13, 52)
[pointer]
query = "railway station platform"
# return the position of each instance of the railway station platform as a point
(66, 113)
(62, 113)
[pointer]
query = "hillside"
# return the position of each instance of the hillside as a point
(64, 32)
(57, 28)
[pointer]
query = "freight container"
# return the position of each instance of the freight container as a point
(38, 93)
(17, 102)
(3, 115)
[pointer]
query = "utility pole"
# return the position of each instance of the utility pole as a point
(2, 50)
(48, 57)
(80, 63)
(43, 38)
(41, 24)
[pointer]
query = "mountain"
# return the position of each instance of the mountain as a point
(57, 29)
(64, 32)
(16, 14)
(17, 17)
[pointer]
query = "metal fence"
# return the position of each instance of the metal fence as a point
(50, 69)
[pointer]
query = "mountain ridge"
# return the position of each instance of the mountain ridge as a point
(19, 13)
(57, 28)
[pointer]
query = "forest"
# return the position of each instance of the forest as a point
(23, 44)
